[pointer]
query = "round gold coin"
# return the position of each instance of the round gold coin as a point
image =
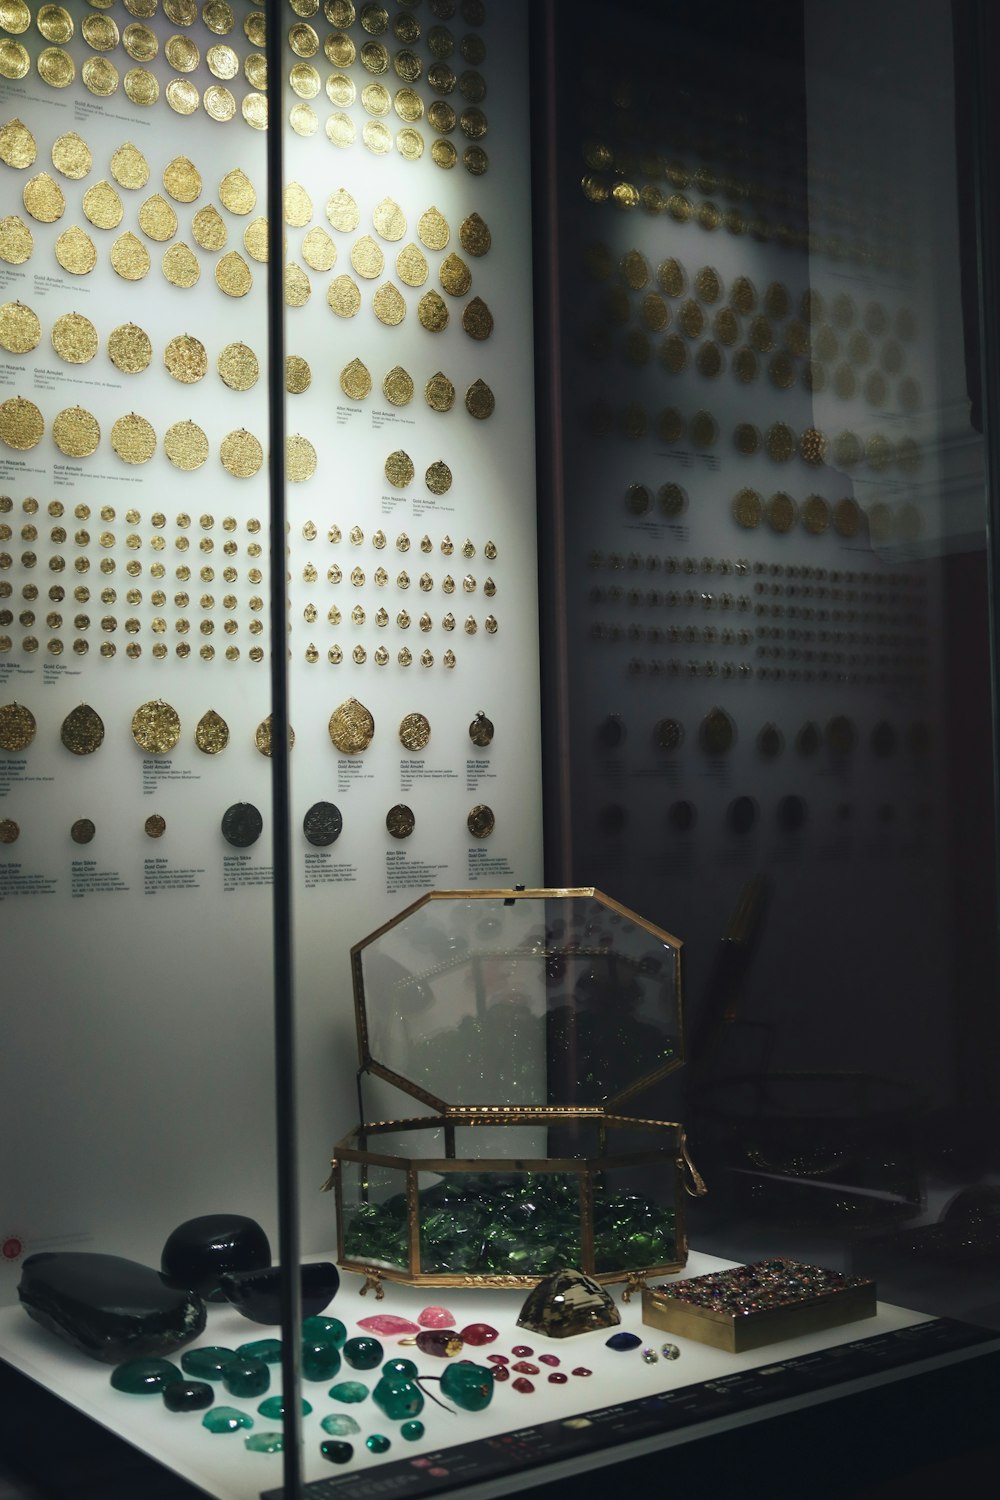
(100, 76)
(186, 445)
(182, 54)
(439, 393)
(102, 206)
(241, 454)
(846, 517)
(21, 423)
(389, 305)
(408, 105)
(129, 257)
(414, 732)
(812, 446)
(339, 50)
(479, 400)
(82, 730)
(238, 367)
(157, 219)
(410, 144)
(82, 831)
(224, 63)
(20, 329)
(438, 478)
(442, 117)
(340, 129)
(255, 241)
(375, 99)
(17, 145)
(218, 16)
(141, 8)
(181, 12)
(399, 820)
(129, 349)
(342, 211)
(56, 67)
(748, 509)
(344, 296)
(351, 727)
(17, 727)
(142, 86)
(156, 727)
(356, 380)
(74, 338)
(43, 198)
(233, 276)
(133, 439)
(15, 60)
(481, 821)
(411, 265)
(254, 111)
(780, 442)
(255, 70)
(340, 90)
(219, 103)
(444, 155)
(298, 287)
(303, 40)
(397, 386)
(298, 375)
(377, 137)
(318, 250)
(211, 733)
(782, 512)
(303, 120)
(815, 515)
(16, 243)
(140, 43)
(399, 469)
(15, 16)
(76, 432)
(182, 96)
(300, 458)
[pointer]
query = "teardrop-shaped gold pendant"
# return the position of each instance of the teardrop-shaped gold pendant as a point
(212, 733)
(82, 730)
(17, 726)
(263, 737)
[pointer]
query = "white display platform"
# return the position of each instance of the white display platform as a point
(223, 1468)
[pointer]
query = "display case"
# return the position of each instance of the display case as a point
(526, 1021)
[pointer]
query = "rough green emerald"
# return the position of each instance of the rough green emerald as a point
(331, 1330)
(469, 1386)
(337, 1453)
(188, 1395)
(398, 1397)
(320, 1360)
(264, 1442)
(274, 1406)
(412, 1431)
(246, 1377)
(268, 1350)
(339, 1426)
(399, 1367)
(225, 1419)
(377, 1443)
(349, 1391)
(207, 1363)
(363, 1353)
(144, 1377)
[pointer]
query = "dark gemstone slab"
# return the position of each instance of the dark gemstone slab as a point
(256, 1294)
(110, 1308)
(199, 1251)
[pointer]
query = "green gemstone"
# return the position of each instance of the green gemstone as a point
(398, 1397)
(187, 1395)
(412, 1431)
(274, 1406)
(268, 1350)
(246, 1377)
(339, 1426)
(469, 1386)
(349, 1391)
(337, 1453)
(144, 1377)
(331, 1330)
(207, 1363)
(225, 1419)
(399, 1367)
(320, 1360)
(377, 1443)
(264, 1442)
(363, 1353)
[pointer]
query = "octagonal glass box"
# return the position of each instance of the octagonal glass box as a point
(524, 1022)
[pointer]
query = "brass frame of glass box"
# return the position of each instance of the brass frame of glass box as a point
(353, 1148)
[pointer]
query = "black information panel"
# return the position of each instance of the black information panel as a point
(665, 1411)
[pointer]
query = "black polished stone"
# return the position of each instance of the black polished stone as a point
(200, 1251)
(256, 1294)
(110, 1308)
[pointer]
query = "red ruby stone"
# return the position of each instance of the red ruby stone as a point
(558, 1378)
(524, 1367)
(498, 1359)
(523, 1351)
(477, 1334)
(500, 1373)
(549, 1359)
(582, 1370)
(524, 1386)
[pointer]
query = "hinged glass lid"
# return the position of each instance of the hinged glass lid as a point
(519, 999)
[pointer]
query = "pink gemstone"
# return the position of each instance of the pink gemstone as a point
(524, 1367)
(523, 1351)
(479, 1333)
(500, 1373)
(436, 1317)
(582, 1370)
(388, 1324)
(558, 1378)
(524, 1386)
(498, 1359)
(549, 1359)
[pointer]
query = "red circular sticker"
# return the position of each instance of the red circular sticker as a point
(12, 1248)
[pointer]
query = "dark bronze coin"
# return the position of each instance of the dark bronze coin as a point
(481, 730)
(400, 822)
(481, 821)
(9, 831)
(155, 826)
(669, 734)
(322, 824)
(242, 825)
(82, 831)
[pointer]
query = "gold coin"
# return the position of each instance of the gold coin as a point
(15, 16)
(704, 429)
(102, 206)
(745, 366)
(16, 243)
(399, 469)
(21, 423)
(238, 367)
(129, 257)
(182, 96)
(241, 454)
(438, 478)
(156, 727)
(43, 198)
(319, 250)
(298, 287)
(211, 734)
(219, 103)
(411, 265)
(255, 240)
(129, 167)
(456, 278)
(414, 732)
(305, 80)
(781, 371)
(255, 28)
(181, 12)
(375, 99)
(71, 156)
(816, 515)
(298, 207)
(133, 439)
(477, 320)
(20, 329)
(410, 144)
(356, 380)
(182, 180)
(481, 821)
(54, 23)
(74, 338)
(444, 155)
(15, 60)
(140, 43)
(101, 33)
(812, 446)
(237, 193)
(303, 120)
(709, 359)
(374, 58)
(303, 40)
(748, 509)
(377, 137)
(479, 400)
(339, 49)
(233, 276)
(344, 296)
(388, 220)
(780, 442)
(76, 432)
(255, 70)
(474, 124)
(186, 445)
(157, 219)
(847, 449)
(846, 517)
(439, 393)
(217, 15)
(182, 54)
(432, 312)
(407, 65)
(782, 512)
(129, 349)
(389, 305)
(442, 117)
(717, 732)
(374, 18)
(298, 375)
(342, 211)
(17, 145)
(408, 105)
(82, 730)
(397, 386)
(351, 727)
(340, 90)
(300, 458)
(433, 230)
(186, 359)
(141, 86)
(225, 64)
(673, 353)
(17, 726)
